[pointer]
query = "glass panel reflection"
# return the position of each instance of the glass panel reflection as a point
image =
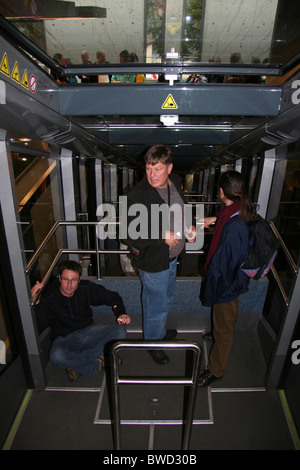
(275, 309)
(288, 216)
(39, 205)
(156, 30)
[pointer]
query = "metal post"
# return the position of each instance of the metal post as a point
(116, 380)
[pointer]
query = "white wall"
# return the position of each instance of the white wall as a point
(244, 26)
(123, 28)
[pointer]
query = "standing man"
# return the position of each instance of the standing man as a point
(157, 246)
(78, 343)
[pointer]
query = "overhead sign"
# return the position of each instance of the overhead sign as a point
(169, 103)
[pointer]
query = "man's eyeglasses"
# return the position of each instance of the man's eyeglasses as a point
(65, 279)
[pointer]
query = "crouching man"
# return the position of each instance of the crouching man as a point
(78, 342)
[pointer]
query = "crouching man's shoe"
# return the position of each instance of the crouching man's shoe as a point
(206, 378)
(72, 374)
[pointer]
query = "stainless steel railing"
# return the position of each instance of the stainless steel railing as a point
(191, 381)
(97, 251)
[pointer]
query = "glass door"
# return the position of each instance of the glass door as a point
(14, 375)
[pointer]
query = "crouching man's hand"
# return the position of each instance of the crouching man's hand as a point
(123, 320)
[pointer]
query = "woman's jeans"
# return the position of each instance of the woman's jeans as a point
(157, 295)
(79, 350)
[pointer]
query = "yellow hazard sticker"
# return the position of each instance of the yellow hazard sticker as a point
(173, 27)
(24, 82)
(4, 65)
(15, 73)
(169, 103)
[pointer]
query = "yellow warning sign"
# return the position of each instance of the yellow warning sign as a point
(15, 73)
(24, 82)
(169, 103)
(4, 65)
(173, 27)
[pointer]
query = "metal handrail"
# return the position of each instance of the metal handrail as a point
(59, 223)
(61, 251)
(95, 251)
(48, 237)
(286, 251)
(280, 286)
(192, 381)
(99, 252)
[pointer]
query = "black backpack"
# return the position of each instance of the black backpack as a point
(263, 251)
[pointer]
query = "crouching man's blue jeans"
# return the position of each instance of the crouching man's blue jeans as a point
(79, 350)
(157, 295)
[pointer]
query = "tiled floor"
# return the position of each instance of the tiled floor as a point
(235, 413)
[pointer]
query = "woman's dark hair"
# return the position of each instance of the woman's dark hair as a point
(233, 185)
(158, 154)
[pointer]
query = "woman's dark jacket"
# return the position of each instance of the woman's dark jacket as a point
(224, 280)
(67, 314)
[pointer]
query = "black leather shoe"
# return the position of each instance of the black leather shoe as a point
(72, 374)
(170, 334)
(159, 356)
(208, 336)
(206, 378)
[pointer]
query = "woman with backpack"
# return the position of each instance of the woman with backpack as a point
(224, 280)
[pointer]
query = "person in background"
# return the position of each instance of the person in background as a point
(256, 79)
(86, 61)
(235, 58)
(123, 78)
(61, 61)
(101, 59)
(140, 77)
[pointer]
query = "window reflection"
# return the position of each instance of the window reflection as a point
(288, 216)
(191, 30)
(8, 347)
(275, 309)
(38, 186)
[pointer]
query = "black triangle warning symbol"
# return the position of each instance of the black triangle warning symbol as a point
(169, 103)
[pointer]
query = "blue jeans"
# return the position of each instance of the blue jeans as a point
(157, 295)
(79, 350)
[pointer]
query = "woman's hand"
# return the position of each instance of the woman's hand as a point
(207, 221)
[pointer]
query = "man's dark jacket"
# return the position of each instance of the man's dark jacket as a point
(153, 254)
(67, 314)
